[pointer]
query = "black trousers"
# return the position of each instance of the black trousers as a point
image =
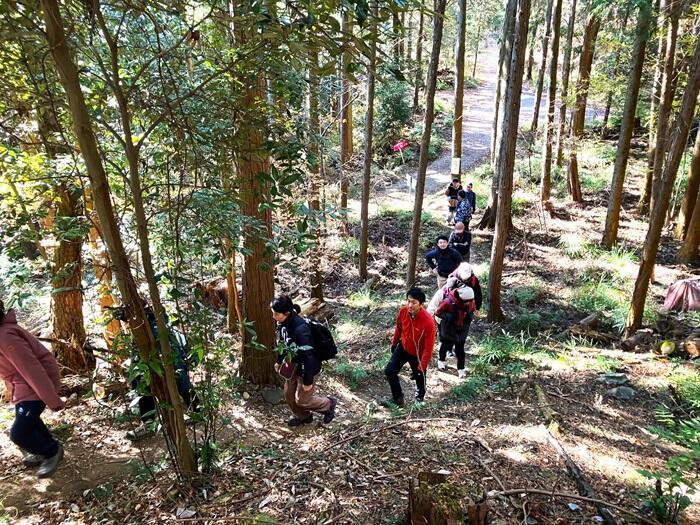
(28, 431)
(399, 358)
(447, 345)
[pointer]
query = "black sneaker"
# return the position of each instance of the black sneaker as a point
(391, 403)
(49, 465)
(296, 422)
(328, 416)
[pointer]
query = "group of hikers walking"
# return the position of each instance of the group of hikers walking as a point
(32, 375)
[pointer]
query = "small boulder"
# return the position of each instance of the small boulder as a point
(613, 379)
(624, 393)
(272, 395)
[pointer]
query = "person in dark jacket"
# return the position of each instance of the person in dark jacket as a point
(464, 210)
(32, 378)
(452, 196)
(442, 260)
(460, 240)
(471, 197)
(293, 331)
(456, 312)
(466, 276)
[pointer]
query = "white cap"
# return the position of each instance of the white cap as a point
(465, 293)
(464, 271)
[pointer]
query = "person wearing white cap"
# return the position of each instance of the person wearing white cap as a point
(456, 312)
(464, 273)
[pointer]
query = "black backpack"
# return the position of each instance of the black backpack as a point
(324, 345)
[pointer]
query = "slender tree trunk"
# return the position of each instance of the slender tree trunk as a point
(623, 145)
(578, 117)
(458, 118)
(531, 52)
(616, 69)
(543, 67)
(346, 145)
(418, 81)
(143, 338)
(645, 197)
(566, 71)
(666, 97)
(315, 275)
(691, 191)
(396, 36)
(438, 20)
(548, 139)
(506, 159)
(689, 249)
(369, 130)
(488, 219)
(476, 48)
(409, 39)
(504, 52)
(679, 139)
(584, 76)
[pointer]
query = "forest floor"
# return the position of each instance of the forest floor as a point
(489, 431)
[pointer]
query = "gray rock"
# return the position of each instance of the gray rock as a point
(613, 379)
(272, 395)
(622, 392)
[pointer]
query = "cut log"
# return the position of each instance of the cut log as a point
(595, 335)
(215, 291)
(315, 308)
(691, 345)
(550, 415)
(641, 341)
(589, 322)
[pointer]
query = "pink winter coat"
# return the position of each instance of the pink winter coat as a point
(29, 370)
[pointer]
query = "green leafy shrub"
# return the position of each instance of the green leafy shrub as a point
(352, 373)
(518, 206)
(392, 113)
(526, 321)
(575, 246)
(469, 388)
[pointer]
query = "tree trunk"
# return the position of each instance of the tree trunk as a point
(584, 75)
(369, 130)
(566, 71)
(623, 144)
(396, 35)
(548, 139)
(645, 197)
(67, 325)
(419, 57)
(505, 50)
(679, 139)
(691, 191)
(459, 88)
(666, 97)
(163, 387)
(689, 249)
(531, 53)
(315, 275)
(506, 158)
(438, 20)
(543, 66)
(616, 68)
(345, 120)
(488, 219)
(476, 47)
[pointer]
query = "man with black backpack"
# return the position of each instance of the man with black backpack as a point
(299, 361)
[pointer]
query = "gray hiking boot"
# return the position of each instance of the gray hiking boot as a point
(142, 431)
(49, 465)
(33, 460)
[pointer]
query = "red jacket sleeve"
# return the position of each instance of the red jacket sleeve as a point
(428, 343)
(21, 355)
(397, 330)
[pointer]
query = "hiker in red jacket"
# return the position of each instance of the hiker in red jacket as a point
(413, 341)
(32, 378)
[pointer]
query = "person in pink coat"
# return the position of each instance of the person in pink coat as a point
(32, 378)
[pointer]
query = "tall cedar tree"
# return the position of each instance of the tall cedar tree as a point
(369, 130)
(418, 80)
(506, 157)
(459, 86)
(548, 139)
(163, 386)
(543, 67)
(564, 90)
(679, 138)
(346, 145)
(628, 116)
(314, 197)
(438, 20)
(691, 191)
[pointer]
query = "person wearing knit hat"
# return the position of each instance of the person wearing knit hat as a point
(456, 312)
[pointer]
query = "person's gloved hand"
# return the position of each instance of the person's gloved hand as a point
(418, 374)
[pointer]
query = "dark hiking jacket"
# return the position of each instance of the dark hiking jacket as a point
(296, 330)
(444, 260)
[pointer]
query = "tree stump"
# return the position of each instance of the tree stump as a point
(433, 500)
